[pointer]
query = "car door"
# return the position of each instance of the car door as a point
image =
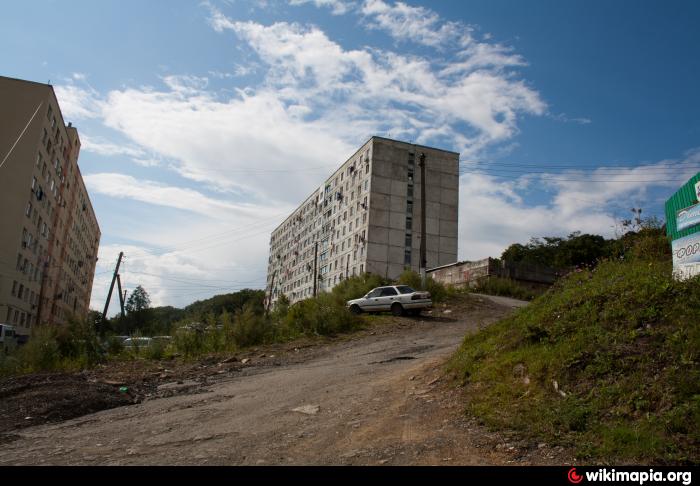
(389, 296)
(371, 301)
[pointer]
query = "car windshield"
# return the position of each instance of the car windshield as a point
(404, 289)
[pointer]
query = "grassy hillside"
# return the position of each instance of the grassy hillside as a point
(606, 361)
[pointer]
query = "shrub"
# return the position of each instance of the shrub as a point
(114, 345)
(250, 327)
(156, 350)
(189, 341)
(322, 315)
(42, 352)
(78, 342)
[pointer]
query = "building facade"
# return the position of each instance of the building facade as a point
(49, 235)
(366, 218)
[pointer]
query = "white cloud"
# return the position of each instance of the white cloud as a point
(338, 7)
(417, 24)
(492, 216)
(318, 102)
(176, 278)
(493, 213)
(77, 102)
(124, 186)
(385, 91)
(576, 190)
(101, 146)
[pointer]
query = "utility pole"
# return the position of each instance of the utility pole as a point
(315, 258)
(111, 287)
(122, 295)
(423, 242)
(269, 299)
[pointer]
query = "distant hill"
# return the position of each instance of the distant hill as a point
(230, 302)
(161, 319)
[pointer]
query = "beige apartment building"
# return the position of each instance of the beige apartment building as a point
(366, 218)
(49, 234)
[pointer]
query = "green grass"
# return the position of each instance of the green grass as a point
(621, 342)
(505, 287)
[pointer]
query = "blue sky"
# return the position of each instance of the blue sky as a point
(203, 123)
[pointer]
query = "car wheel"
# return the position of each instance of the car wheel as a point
(355, 309)
(397, 309)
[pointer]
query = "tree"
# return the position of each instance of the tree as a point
(138, 300)
(575, 250)
(138, 311)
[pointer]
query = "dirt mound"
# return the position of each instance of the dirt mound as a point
(53, 397)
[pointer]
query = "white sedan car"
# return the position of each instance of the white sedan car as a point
(398, 299)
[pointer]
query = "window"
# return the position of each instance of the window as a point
(388, 292)
(14, 288)
(375, 293)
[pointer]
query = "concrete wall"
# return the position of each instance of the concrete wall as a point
(471, 273)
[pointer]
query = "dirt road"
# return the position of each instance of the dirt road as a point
(374, 399)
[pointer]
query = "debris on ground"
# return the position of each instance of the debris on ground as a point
(307, 409)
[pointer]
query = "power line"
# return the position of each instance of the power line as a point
(189, 281)
(545, 177)
(196, 249)
(21, 134)
(265, 171)
(588, 167)
(602, 170)
(190, 244)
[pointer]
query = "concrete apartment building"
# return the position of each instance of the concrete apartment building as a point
(49, 234)
(366, 218)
